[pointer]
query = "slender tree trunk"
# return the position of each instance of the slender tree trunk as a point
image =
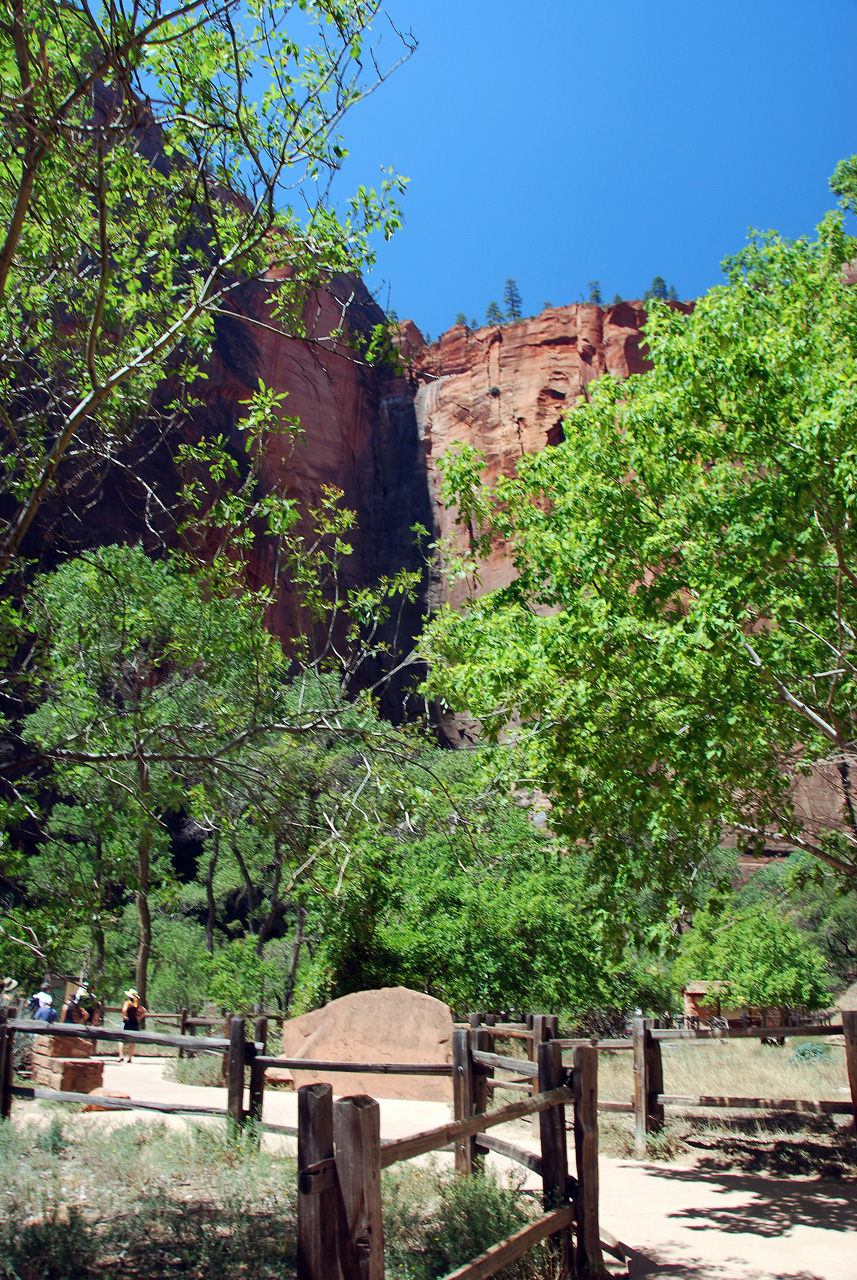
(267, 924)
(97, 931)
(252, 898)
(98, 939)
(144, 850)
(211, 911)
(296, 951)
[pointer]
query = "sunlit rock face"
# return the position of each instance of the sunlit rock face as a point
(505, 391)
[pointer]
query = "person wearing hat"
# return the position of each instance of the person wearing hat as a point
(74, 1010)
(133, 1014)
(46, 1012)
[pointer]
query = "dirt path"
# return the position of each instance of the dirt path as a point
(678, 1222)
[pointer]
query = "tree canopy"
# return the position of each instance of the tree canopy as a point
(677, 647)
(155, 159)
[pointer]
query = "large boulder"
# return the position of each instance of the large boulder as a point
(389, 1025)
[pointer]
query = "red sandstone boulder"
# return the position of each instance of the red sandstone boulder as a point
(389, 1025)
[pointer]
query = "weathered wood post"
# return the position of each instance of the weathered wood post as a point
(318, 1253)
(357, 1142)
(257, 1076)
(849, 1027)
(590, 1260)
(648, 1083)
(544, 1027)
(6, 1066)
(235, 1059)
(182, 1028)
(462, 1096)
(481, 1095)
(554, 1149)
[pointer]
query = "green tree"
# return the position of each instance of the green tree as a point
(512, 301)
(761, 959)
(458, 893)
(493, 315)
(657, 290)
(678, 640)
(461, 318)
(595, 292)
(156, 159)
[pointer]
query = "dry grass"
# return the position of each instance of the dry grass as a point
(85, 1201)
(731, 1068)
(780, 1144)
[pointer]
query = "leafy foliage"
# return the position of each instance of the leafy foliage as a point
(760, 958)
(678, 639)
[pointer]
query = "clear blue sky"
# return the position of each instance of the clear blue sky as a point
(558, 143)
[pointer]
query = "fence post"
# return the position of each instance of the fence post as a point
(257, 1076)
(541, 1029)
(357, 1141)
(235, 1059)
(462, 1096)
(849, 1027)
(6, 1066)
(589, 1256)
(318, 1255)
(484, 1041)
(182, 1028)
(554, 1149)
(648, 1082)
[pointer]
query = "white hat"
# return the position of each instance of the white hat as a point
(132, 992)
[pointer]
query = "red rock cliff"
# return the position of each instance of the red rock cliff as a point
(505, 390)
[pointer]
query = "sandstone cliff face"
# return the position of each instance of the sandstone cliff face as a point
(505, 391)
(358, 433)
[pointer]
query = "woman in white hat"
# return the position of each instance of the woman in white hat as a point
(133, 1014)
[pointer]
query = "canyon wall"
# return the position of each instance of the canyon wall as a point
(505, 390)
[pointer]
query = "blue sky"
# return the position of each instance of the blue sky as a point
(559, 143)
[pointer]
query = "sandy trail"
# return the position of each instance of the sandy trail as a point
(678, 1222)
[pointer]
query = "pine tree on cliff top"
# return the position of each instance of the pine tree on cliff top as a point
(512, 301)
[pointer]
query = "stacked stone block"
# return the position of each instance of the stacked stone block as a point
(66, 1063)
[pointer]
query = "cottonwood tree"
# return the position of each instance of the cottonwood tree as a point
(679, 641)
(156, 157)
(159, 689)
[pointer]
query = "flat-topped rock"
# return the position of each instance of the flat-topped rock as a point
(392, 1024)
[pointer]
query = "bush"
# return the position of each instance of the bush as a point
(811, 1051)
(59, 1247)
(434, 1221)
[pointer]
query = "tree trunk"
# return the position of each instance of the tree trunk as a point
(144, 849)
(296, 951)
(211, 912)
(268, 923)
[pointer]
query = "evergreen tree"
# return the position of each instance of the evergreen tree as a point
(595, 292)
(512, 301)
(657, 289)
(493, 315)
(461, 318)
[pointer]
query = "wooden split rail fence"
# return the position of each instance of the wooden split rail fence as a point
(650, 1098)
(340, 1153)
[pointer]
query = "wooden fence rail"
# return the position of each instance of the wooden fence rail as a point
(340, 1158)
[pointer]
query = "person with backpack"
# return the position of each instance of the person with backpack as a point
(133, 1014)
(46, 1012)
